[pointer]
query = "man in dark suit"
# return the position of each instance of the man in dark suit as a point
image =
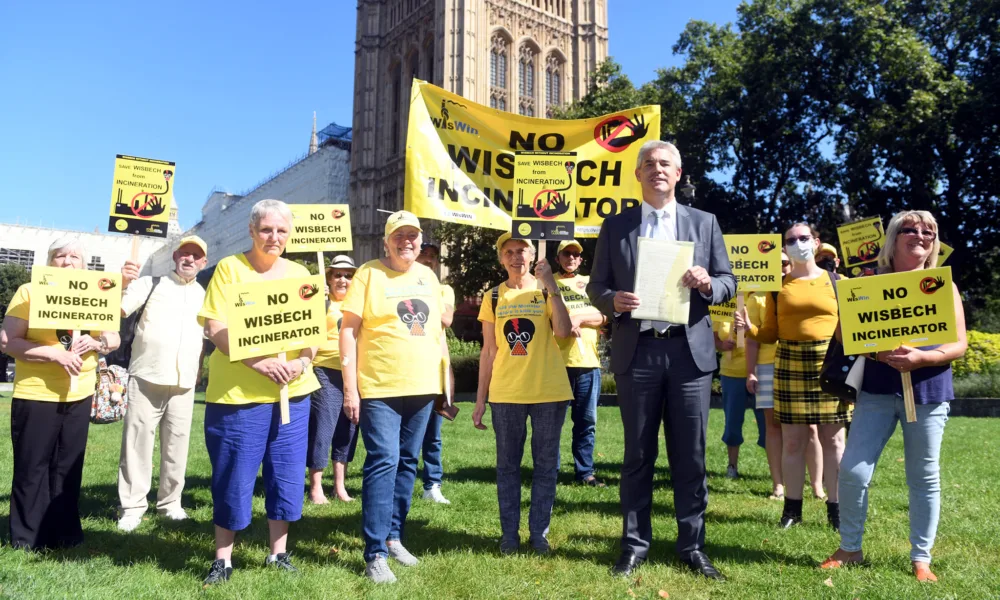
(663, 370)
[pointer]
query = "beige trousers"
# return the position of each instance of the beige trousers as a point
(150, 405)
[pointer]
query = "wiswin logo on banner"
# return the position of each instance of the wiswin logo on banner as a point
(448, 123)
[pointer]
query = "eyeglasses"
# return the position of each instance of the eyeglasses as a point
(801, 238)
(571, 254)
(924, 233)
(344, 275)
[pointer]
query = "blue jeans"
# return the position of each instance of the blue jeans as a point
(734, 405)
(393, 430)
(875, 417)
(510, 424)
(586, 386)
(433, 471)
(331, 433)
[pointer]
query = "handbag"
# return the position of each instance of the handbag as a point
(110, 401)
(841, 375)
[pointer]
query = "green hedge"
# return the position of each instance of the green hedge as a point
(983, 355)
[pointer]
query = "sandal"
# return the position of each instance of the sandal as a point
(780, 496)
(923, 572)
(833, 563)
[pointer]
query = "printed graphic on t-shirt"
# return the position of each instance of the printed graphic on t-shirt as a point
(65, 338)
(519, 333)
(413, 313)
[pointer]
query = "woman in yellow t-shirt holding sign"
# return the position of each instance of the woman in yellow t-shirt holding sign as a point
(583, 366)
(390, 354)
(242, 415)
(519, 367)
(48, 422)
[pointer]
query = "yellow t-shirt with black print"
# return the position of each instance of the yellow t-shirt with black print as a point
(48, 381)
(328, 355)
(528, 368)
(234, 382)
(733, 362)
(399, 343)
(578, 351)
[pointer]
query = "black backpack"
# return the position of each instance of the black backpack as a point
(122, 356)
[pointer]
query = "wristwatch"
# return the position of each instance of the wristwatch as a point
(104, 345)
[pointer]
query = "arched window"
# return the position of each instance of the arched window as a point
(526, 80)
(553, 83)
(499, 49)
(395, 91)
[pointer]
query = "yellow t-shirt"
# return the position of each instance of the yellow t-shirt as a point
(733, 362)
(756, 303)
(578, 351)
(806, 311)
(328, 354)
(399, 343)
(447, 296)
(48, 381)
(234, 382)
(528, 368)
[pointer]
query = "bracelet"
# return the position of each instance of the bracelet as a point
(304, 363)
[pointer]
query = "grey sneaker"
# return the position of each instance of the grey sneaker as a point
(401, 554)
(434, 495)
(218, 573)
(378, 571)
(732, 473)
(281, 561)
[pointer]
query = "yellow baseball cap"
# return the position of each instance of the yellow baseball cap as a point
(828, 248)
(192, 239)
(569, 244)
(506, 237)
(401, 218)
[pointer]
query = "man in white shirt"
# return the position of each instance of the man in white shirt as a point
(166, 353)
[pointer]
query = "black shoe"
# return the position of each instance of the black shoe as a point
(593, 482)
(792, 513)
(833, 515)
(282, 561)
(540, 546)
(788, 521)
(627, 562)
(508, 547)
(698, 562)
(218, 573)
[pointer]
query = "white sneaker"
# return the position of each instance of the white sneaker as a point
(732, 473)
(401, 554)
(434, 494)
(378, 571)
(129, 523)
(175, 514)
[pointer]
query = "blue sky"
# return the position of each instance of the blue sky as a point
(224, 89)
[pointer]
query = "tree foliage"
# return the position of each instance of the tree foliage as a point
(470, 257)
(831, 110)
(12, 276)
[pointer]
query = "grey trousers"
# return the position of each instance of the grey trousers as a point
(510, 426)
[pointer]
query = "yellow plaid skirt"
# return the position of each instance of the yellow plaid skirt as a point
(798, 399)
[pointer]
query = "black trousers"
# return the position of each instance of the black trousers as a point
(49, 439)
(663, 385)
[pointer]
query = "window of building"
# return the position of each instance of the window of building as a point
(15, 256)
(95, 264)
(526, 80)
(394, 91)
(499, 49)
(429, 60)
(553, 83)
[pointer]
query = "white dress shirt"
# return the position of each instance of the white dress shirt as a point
(667, 230)
(168, 339)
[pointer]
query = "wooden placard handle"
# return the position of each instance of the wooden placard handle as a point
(541, 255)
(134, 253)
(739, 308)
(283, 397)
(74, 380)
(908, 404)
(319, 263)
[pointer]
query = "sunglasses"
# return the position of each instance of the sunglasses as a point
(924, 233)
(785, 263)
(801, 238)
(571, 254)
(344, 275)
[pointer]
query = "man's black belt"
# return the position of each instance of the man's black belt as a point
(668, 333)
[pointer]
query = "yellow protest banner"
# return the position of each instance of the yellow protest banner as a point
(460, 159)
(268, 317)
(883, 312)
(545, 192)
(320, 228)
(944, 253)
(723, 313)
(75, 299)
(141, 196)
(860, 243)
(756, 261)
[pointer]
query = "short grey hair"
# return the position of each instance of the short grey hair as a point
(675, 154)
(262, 208)
(914, 217)
(67, 242)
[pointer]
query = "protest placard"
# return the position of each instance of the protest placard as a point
(141, 196)
(944, 253)
(860, 243)
(723, 313)
(268, 317)
(756, 261)
(545, 192)
(320, 228)
(75, 299)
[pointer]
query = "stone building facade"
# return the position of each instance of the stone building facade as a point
(28, 246)
(523, 56)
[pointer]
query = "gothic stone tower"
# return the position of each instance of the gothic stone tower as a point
(522, 56)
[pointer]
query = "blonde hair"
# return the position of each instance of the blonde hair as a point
(63, 243)
(888, 251)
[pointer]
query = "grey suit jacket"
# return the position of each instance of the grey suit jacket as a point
(614, 270)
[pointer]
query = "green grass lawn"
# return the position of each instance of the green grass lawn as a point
(457, 543)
